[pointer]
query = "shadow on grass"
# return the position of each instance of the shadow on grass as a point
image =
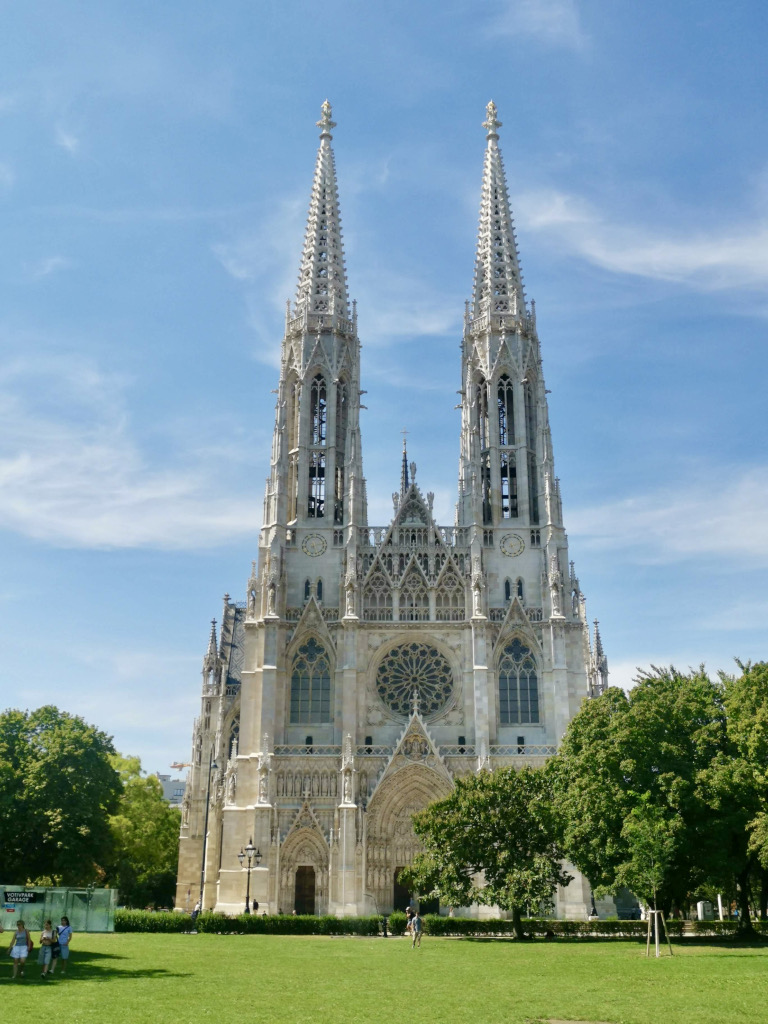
(101, 967)
(729, 942)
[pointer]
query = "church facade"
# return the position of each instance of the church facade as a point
(370, 666)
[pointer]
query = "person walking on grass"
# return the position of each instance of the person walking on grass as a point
(416, 927)
(44, 955)
(19, 948)
(65, 935)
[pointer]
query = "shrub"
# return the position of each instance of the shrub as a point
(284, 924)
(147, 921)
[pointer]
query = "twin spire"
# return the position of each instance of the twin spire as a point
(498, 286)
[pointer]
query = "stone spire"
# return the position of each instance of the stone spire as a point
(498, 281)
(599, 653)
(212, 642)
(322, 284)
(405, 483)
(599, 667)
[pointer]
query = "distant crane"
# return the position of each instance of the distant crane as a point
(181, 764)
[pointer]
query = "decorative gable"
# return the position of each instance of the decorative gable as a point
(516, 623)
(415, 747)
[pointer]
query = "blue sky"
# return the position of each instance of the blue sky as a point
(155, 169)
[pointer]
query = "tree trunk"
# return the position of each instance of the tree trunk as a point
(745, 920)
(517, 923)
(763, 894)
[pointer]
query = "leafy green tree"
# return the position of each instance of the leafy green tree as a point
(736, 787)
(629, 779)
(492, 841)
(57, 788)
(652, 838)
(145, 832)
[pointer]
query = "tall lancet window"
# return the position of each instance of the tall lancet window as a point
(342, 407)
(292, 423)
(530, 415)
(485, 486)
(318, 411)
(533, 488)
(311, 685)
(316, 504)
(508, 471)
(481, 399)
(518, 685)
(506, 411)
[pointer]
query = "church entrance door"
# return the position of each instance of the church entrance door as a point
(402, 897)
(304, 897)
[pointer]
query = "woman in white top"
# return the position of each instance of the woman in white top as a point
(44, 955)
(65, 934)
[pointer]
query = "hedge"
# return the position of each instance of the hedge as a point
(147, 921)
(277, 924)
(274, 924)
(283, 924)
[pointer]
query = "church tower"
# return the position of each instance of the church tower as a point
(370, 666)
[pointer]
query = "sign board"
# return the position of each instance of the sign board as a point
(21, 897)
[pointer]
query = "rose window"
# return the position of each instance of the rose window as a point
(415, 670)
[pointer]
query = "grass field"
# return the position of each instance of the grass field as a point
(130, 979)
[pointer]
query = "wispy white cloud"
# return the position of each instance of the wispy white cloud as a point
(66, 139)
(7, 177)
(554, 23)
(47, 266)
(72, 475)
(726, 257)
(402, 305)
(746, 615)
(685, 521)
(265, 261)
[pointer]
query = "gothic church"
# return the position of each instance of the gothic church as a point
(370, 666)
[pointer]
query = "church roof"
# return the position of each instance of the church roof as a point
(322, 286)
(498, 280)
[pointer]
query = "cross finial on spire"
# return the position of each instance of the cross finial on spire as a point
(325, 121)
(415, 700)
(491, 123)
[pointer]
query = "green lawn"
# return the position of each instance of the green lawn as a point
(312, 980)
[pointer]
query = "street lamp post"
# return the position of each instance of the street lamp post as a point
(250, 853)
(212, 766)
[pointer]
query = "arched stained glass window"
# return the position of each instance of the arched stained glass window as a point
(518, 685)
(311, 685)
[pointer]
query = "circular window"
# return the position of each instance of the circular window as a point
(414, 668)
